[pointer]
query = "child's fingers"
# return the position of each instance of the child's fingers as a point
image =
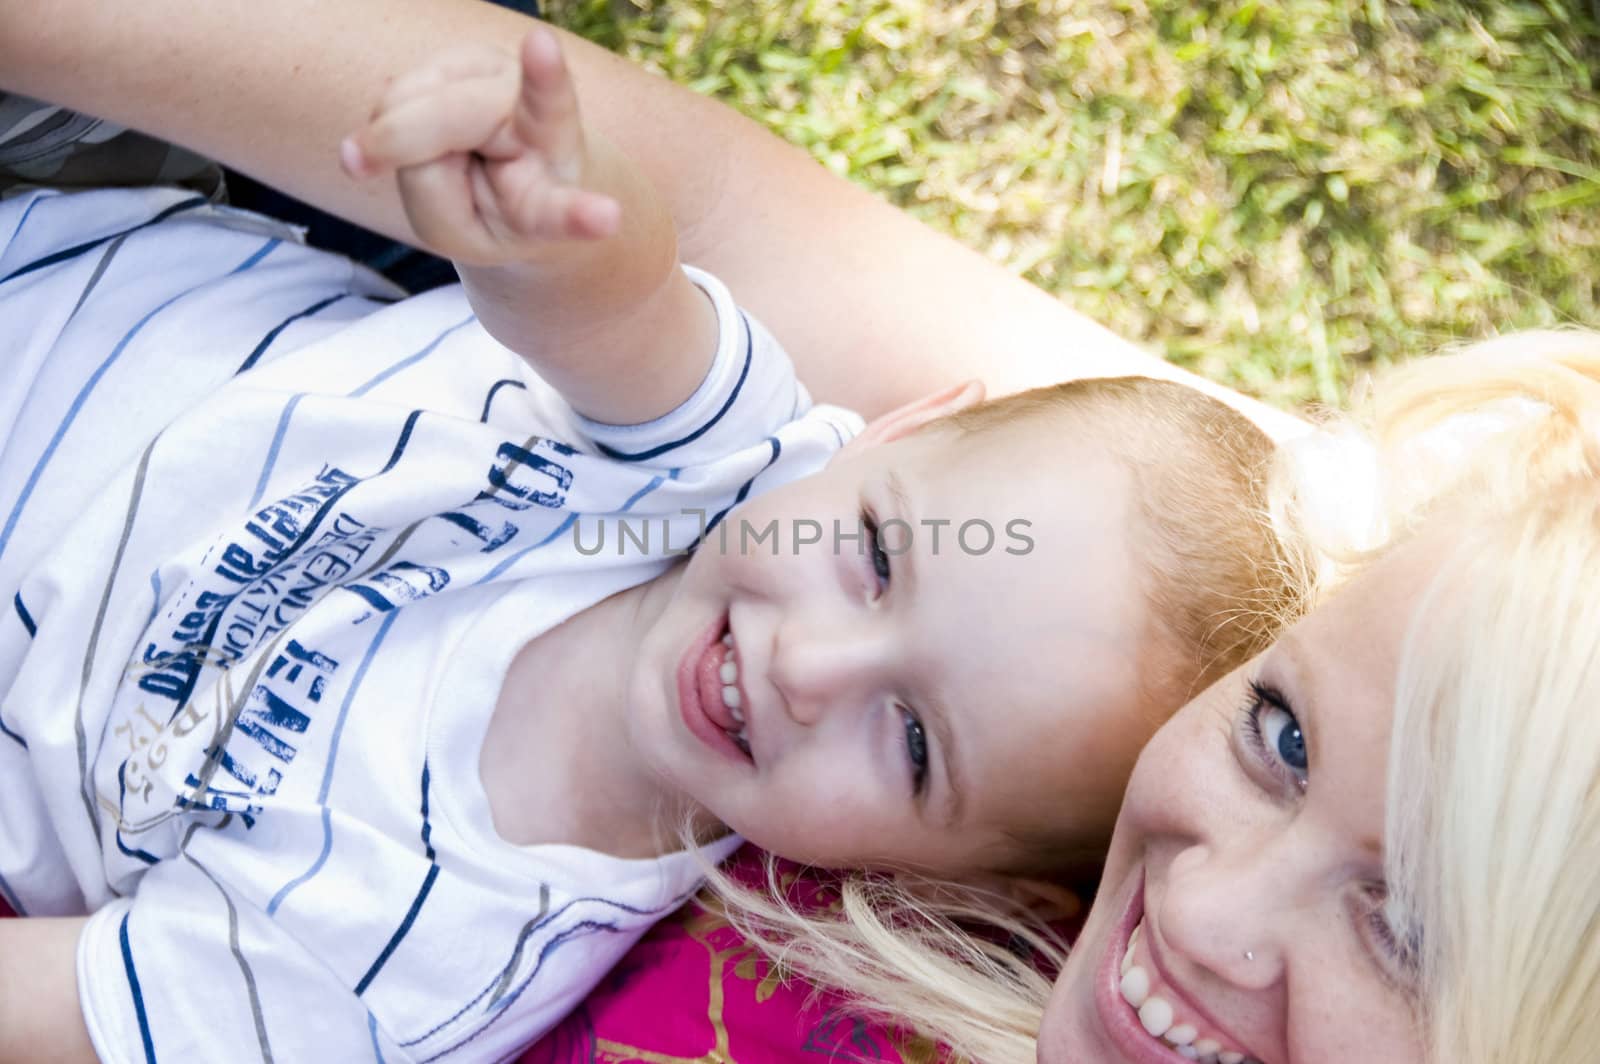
(435, 79)
(547, 107)
(439, 204)
(458, 65)
(567, 213)
(530, 205)
(592, 216)
(463, 117)
(583, 215)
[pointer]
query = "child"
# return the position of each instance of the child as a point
(356, 684)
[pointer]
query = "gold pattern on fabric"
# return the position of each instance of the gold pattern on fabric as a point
(702, 922)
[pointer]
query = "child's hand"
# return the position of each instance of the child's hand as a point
(489, 153)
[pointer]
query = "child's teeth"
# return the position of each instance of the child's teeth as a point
(730, 692)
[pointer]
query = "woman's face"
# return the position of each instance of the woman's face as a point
(1247, 866)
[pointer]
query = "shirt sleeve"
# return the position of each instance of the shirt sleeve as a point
(186, 970)
(749, 393)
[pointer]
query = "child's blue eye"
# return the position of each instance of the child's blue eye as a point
(1274, 733)
(880, 557)
(916, 750)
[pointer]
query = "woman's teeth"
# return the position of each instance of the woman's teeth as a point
(1157, 1015)
(729, 674)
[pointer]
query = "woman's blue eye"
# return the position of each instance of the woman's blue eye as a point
(916, 751)
(1282, 734)
(1275, 733)
(880, 558)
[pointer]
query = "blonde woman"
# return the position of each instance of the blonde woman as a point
(1380, 841)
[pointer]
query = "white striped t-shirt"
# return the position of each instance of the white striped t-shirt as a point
(269, 540)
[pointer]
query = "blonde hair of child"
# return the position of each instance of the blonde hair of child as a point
(1220, 585)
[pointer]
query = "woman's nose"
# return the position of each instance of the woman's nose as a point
(817, 666)
(1222, 910)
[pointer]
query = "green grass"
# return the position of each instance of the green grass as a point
(1275, 194)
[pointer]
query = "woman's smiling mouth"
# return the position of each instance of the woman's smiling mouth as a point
(1149, 1020)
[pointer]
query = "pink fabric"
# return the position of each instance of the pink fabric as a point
(693, 991)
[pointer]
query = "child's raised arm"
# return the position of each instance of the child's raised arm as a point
(568, 255)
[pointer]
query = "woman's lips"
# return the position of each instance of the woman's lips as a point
(1124, 1024)
(1188, 1006)
(1116, 1015)
(700, 692)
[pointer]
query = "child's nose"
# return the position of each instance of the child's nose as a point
(819, 668)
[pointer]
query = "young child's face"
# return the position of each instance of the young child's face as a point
(911, 699)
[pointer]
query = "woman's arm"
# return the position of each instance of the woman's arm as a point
(40, 1018)
(875, 308)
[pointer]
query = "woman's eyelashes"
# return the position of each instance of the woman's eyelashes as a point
(916, 750)
(1273, 736)
(1397, 954)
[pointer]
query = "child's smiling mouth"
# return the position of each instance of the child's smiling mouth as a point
(711, 698)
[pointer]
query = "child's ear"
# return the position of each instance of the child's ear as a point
(1041, 898)
(1051, 902)
(904, 420)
